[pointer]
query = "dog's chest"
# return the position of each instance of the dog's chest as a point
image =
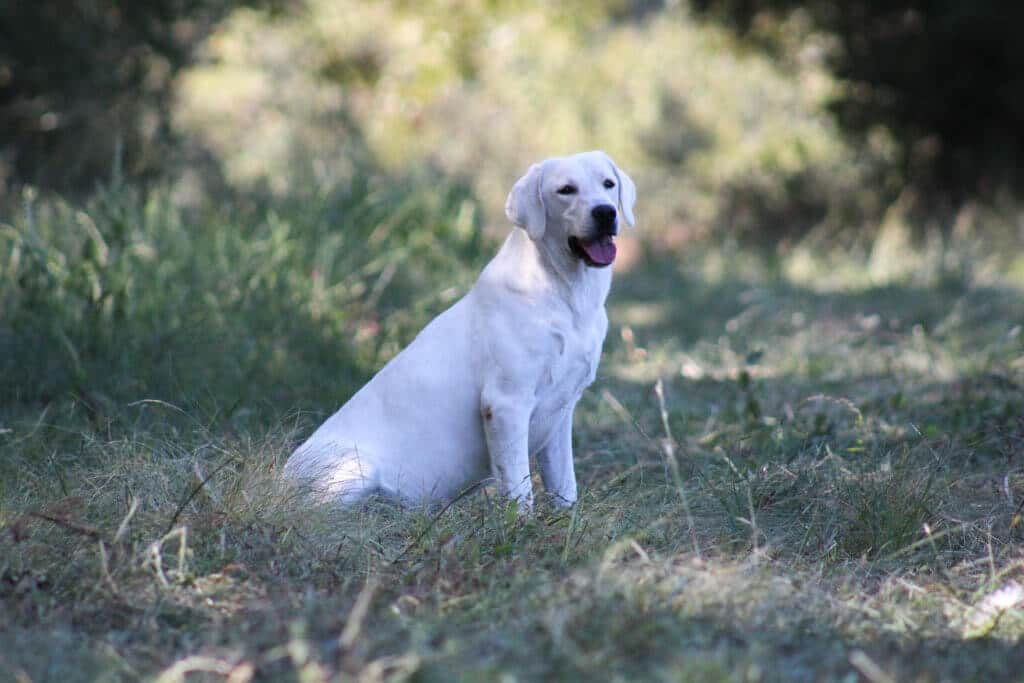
(572, 368)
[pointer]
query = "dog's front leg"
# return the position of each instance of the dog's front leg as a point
(506, 424)
(556, 465)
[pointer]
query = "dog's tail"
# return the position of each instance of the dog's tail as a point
(331, 475)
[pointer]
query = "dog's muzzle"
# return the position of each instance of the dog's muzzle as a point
(598, 248)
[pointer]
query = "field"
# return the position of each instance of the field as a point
(792, 468)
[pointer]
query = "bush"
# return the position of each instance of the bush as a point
(709, 129)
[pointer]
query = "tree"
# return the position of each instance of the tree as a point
(946, 77)
(84, 80)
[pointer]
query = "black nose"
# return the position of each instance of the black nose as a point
(604, 218)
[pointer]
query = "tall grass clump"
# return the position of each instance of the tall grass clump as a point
(239, 305)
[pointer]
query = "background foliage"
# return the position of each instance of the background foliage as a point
(733, 123)
(403, 83)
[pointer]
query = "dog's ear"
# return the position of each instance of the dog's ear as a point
(627, 192)
(525, 204)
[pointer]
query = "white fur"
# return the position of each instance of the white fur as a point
(495, 378)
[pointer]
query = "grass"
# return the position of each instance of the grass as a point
(825, 486)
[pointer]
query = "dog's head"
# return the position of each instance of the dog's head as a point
(574, 202)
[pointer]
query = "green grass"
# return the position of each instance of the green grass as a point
(828, 487)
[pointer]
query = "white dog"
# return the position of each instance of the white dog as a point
(494, 379)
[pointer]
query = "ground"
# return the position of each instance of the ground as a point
(779, 481)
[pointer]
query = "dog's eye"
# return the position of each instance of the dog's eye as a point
(609, 183)
(567, 189)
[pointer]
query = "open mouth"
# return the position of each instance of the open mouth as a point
(597, 252)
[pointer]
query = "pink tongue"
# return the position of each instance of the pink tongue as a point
(601, 251)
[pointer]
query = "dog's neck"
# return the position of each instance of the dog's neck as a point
(546, 267)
